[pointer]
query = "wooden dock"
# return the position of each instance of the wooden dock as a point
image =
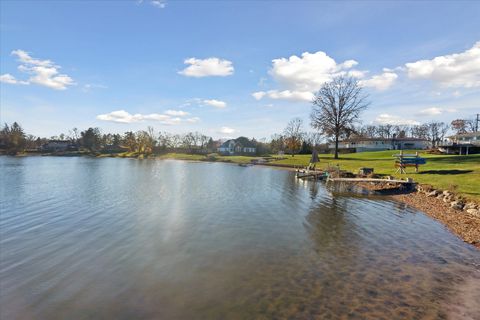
(315, 175)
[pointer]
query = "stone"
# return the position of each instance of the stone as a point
(474, 212)
(446, 193)
(433, 193)
(470, 205)
(457, 205)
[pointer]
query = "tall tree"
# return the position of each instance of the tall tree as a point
(13, 137)
(293, 135)
(91, 138)
(336, 108)
(436, 132)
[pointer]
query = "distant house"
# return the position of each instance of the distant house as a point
(239, 146)
(379, 144)
(466, 138)
(59, 146)
(463, 143)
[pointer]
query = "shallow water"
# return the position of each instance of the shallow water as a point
(85, 238)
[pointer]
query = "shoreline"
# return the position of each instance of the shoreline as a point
(464, 225)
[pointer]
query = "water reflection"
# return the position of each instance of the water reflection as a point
(123, 239)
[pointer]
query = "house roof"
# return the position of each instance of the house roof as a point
(244, 142)
(226, 143)
(359, 139)
(466, 135)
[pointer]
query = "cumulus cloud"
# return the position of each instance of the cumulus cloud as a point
(8, 78)
(42, 72)
(308, 72)
(226, 130)
(454, 70)
(215, 103)
(207, 67)
(285, 94)
(170, 117)
(386, 118)
(299, 77)
(381, 81)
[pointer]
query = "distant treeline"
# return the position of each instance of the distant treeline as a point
(294, 139)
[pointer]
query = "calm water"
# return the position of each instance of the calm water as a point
(126, 239)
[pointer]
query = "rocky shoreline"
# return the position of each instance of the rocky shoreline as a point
(460, 216)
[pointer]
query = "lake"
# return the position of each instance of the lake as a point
(84, 238)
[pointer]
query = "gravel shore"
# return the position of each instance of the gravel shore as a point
(463, 224)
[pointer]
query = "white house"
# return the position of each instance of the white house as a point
(59, 145)
(466, 138)
(237, 146)
(463, 143)
(378, 144)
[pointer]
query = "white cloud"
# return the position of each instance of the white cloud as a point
(178, 113)
(226, 130)
(42, 72)
(90, 86)
(381, 81)
(8, 78)
(433, 111)
(259, 95)
(215, 103)
(207, 67)
(159, 3)
(285, 95)
(386, 118)
(193, 120)
(454, 70)
(308, 72)
(300, 77)
(122, 116)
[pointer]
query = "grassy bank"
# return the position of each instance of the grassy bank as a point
(442, 171)
(458, 173)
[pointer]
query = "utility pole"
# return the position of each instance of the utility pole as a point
(476, 122)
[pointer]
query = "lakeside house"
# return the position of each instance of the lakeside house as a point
(239, 146)
(462, 143)
(58, 146)
(360, 144)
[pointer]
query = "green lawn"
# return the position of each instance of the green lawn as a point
(442, 171)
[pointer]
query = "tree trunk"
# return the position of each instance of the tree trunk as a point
(336, 147)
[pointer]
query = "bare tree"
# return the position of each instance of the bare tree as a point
(436, 132)
(385, 131)
(459, 126)
(293, 135)
(337, 106)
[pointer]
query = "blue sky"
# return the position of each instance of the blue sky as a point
(231, 68)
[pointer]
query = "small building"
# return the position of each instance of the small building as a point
(59, 146)
(463, 143)
(466, 138)
(359, 144)
(239, 146)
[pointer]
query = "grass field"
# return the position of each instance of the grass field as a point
(458, 173)
(443, 171)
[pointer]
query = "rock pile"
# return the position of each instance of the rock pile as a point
(455, 201)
